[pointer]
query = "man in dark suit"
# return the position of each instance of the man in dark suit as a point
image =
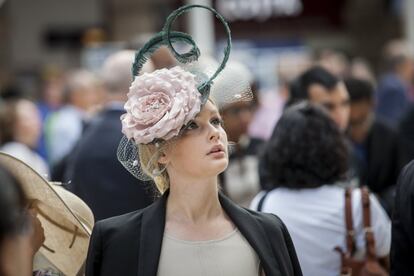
(94, 172)
(319, 86)
(375, 143)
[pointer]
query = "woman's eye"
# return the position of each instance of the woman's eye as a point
(217, 121)
(191, 125)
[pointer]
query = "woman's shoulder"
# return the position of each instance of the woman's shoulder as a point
(269, 221)
(266, 221)
(406, 177)
(283, 197)
(118, 224)
(120, 219)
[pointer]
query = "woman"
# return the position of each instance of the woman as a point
(61, 223)
(21, 233)
(192, 229)
(306, 156)
(21, 128)
(15, 251)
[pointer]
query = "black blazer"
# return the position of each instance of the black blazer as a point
(96, 175)
(384, 160)
(131, 244)
(402, 243)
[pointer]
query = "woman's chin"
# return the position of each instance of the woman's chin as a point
(215, 168)
(221, 166)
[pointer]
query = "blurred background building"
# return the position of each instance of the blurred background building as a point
(39, 35)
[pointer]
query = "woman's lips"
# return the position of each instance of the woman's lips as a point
(217, 152)
(216, 148)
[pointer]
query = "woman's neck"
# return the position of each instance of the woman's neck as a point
(193, 201)
(194, 212)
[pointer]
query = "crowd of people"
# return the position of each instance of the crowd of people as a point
(166, 171)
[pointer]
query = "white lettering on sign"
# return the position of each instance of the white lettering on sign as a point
(258, 9)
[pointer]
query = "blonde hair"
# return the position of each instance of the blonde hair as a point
(148, 156)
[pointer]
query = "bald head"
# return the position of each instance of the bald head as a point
(116, 71)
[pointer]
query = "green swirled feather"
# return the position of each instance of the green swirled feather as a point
(167, 37)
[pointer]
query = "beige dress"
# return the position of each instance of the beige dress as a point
(230, 255)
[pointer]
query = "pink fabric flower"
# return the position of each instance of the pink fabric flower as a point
(159, 104)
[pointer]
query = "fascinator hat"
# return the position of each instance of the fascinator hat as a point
(161, 103)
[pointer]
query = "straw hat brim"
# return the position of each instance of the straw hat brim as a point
(66, 219)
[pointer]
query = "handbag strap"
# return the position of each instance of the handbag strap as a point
(260, 205)
(349, 223)
(369, 234)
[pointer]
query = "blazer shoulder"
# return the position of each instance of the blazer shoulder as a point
(126, 220)
(270, 222)
(406, 179)
(266, 221)
(118, 223)
(107, 254)
(408, 169)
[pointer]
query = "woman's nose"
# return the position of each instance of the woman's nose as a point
(214, 132)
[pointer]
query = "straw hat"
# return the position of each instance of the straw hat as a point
(66, 219)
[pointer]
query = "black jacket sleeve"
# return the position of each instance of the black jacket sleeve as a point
(402, 246)
(94, 259)
(282, 245)
(291, 249)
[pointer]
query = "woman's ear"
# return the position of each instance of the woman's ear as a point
(163, 158)
(164, 153)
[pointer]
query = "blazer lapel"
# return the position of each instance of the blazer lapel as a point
(152, 232)
(254, 234)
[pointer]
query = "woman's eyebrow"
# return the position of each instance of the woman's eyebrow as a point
(210, 113)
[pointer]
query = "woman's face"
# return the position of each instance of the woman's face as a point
(28, 126)
(15, 256)
(201, 151)
(237, 118)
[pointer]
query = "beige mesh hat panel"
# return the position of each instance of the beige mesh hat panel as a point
(66, 219)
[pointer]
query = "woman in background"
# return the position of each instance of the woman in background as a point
(20, 126)
(21, 234)
(306, 156)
